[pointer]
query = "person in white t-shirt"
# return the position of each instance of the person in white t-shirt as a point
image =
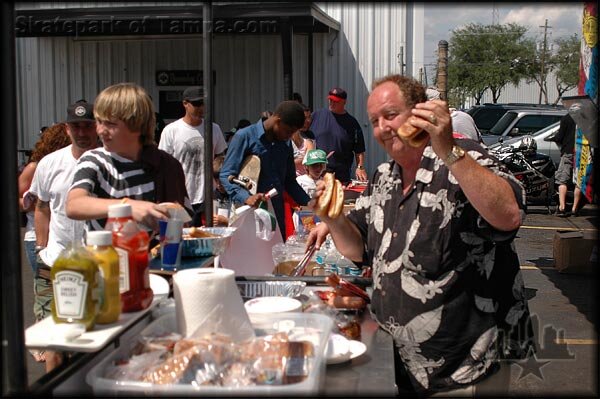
(315, 162)
(184, 140)
(53, 229)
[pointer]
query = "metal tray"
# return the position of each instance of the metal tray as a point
(309, 280)
(254, 289)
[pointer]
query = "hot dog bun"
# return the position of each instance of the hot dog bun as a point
(331, 202)
(412, 135)
(323, 201)
(337, 200)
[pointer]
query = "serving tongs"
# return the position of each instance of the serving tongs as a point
(301, 266)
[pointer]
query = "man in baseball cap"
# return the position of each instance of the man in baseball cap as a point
(54, 230)
(184, 140)
(341, 137)
(315, 162)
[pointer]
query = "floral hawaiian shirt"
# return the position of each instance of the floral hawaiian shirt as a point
(446, 285)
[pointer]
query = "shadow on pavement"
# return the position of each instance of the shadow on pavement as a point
(580, 289)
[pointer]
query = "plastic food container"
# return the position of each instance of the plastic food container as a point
(313, 327)
(197, 247)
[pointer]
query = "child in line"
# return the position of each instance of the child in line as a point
(315, 162)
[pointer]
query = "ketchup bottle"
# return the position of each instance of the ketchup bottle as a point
(131, 243)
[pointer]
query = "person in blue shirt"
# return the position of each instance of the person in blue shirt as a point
(270, 141)
(339, 134)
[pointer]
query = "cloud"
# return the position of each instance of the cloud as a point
(564, 19)
(441, 19)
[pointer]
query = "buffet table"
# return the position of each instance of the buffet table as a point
(371, 374)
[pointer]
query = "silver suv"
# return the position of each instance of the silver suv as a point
(521, 122)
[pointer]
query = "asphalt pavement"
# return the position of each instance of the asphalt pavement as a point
(564, 309)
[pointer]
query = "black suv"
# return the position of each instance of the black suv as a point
(486, 115)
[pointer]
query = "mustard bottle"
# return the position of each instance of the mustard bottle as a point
(99, 243)
(74, 277)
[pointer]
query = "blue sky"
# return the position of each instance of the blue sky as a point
(442, 18)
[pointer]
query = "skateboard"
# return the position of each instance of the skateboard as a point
(249, 172)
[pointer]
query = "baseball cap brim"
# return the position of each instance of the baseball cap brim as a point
(335, 98)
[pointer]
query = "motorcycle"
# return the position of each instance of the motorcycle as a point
(534, 170)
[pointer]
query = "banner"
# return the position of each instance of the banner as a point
(588, 84)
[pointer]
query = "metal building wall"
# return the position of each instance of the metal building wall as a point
(366, 48)
(53, 72)
(528, 92)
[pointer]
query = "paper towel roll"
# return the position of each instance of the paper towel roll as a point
(208, 301)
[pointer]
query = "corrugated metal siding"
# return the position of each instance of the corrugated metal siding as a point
(367, 48)
(56, 71)
(528, 92)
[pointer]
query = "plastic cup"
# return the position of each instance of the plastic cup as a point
(170, 244)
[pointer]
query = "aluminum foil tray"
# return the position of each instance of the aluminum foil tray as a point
(254, 289)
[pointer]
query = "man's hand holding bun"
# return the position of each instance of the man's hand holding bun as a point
(411, 134)
(329, 197)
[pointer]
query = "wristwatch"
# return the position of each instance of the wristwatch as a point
(454, 155)
(361, 167)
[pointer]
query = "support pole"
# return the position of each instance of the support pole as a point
(442, 72)
(286, 51)
(14, 365)
(207, 81)
(311, 90)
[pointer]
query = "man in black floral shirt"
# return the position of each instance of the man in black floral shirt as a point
(437, 224)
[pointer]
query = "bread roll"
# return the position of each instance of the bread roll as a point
(323, 202)
(411, 135)
(337, 200)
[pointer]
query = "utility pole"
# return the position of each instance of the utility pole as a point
(542, 72)
(421, 75)
(401, 60)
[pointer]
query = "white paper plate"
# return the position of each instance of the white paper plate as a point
(272, 304)
(159, 285)
(340, 349)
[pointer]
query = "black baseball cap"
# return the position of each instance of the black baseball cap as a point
(80, 111)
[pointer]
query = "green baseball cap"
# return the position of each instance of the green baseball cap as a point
(315, 156)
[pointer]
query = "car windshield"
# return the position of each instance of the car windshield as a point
(503, 123)
(485, 118)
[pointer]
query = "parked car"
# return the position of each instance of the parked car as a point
(543, 140)
(520, 122)
(486, 115)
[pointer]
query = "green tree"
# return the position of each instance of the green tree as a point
(536, 65)
(481, 57)
(565, 64)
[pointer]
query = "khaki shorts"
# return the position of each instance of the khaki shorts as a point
(564, 173)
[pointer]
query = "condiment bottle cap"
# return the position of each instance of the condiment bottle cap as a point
(101, 237)
(119, 210)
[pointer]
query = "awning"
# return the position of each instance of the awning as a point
(228, 18)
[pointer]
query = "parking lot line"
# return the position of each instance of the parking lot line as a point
(556, 228)
(575, 341)
(533, 267)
